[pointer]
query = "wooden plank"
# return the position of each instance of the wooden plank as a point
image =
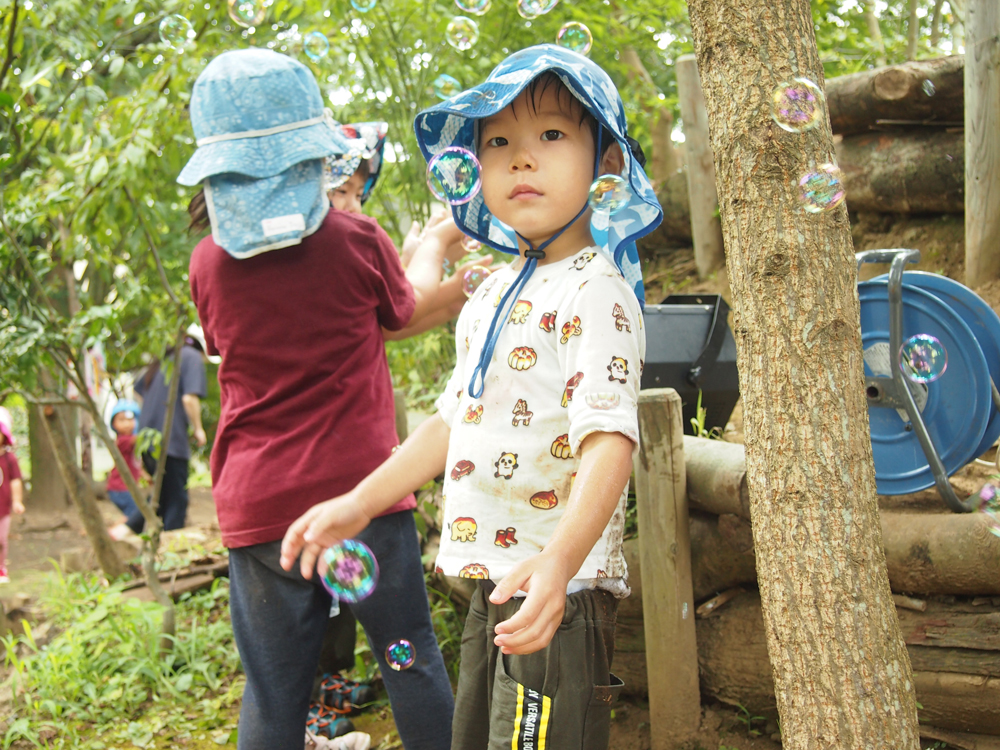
(958, 660)
(960, 740)
(948, 626)
(982, 142)
(665, 554)
(706, 229)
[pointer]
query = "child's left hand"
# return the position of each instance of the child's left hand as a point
(18, 508)
(544, 579)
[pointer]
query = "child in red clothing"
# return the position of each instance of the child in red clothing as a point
(123, 423)
(11, 487)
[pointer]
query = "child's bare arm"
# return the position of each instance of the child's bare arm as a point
(605, 465)
(418, 460)
(424, 269)
(17, 495)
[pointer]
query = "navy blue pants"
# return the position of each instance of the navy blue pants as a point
(173, 494)
(279, 619)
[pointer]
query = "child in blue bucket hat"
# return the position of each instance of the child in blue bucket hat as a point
(537, 428)
(295, 297)
(124, 421)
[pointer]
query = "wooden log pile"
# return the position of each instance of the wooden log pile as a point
(899, 143)
(944, 570)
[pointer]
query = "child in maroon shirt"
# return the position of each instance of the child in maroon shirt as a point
(123, 423)
(11, 487)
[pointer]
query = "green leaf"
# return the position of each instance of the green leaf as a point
(116, 66)
(6, 100)
(98, 171)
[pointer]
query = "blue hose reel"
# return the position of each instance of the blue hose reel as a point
(924, 432)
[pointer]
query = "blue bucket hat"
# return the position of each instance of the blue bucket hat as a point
(125, 405)
(367, 144)
(454, 122)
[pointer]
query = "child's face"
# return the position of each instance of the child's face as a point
(347, 197)
(538, 165)
(124, 423)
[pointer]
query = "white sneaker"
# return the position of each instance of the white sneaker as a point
(349, 741)
(119, 532)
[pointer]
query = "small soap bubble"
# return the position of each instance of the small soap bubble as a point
(534, 8)
(609, 193)
(454, 176)
(989, 505)
(922, 358)
(928, 87)
(471, 245)
(363, 6)
(400, 655)
(315, 45)
(176, 31)
(477, 7)
(462, 33)
(821, 190)
(575, 36)
(247, 13)
(473, 278)
(445, 86)
(797, 105)
(351, 570)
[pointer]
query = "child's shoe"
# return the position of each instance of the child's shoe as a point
(327, 722)
(350, 741)
(119, 532)
(344, 696)
(4, 578)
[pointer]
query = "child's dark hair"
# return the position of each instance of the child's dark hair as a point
(567, 104)
(198, 213)
(364, 169)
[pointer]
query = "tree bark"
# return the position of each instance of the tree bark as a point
(898, 92)
(982, 142)
(840, 667)
(917, 171)
(874, 31)
(936, 24)
(48, 491)
(912, 31)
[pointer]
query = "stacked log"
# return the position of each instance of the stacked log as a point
(944, 570)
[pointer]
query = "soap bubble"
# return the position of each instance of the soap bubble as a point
(400, 655)
(478, 7)
(471, 245)
(534, 8)
(176, 31)
(575, 36)
(822, 189)
(247, 13)
(445, 86)
(454, 176)
(462, 33)
(928, 87)
(797, 105)
(473, 278)
(609, 194)
(363, 6)
(351, 572)
(315, 45)
(922, 358)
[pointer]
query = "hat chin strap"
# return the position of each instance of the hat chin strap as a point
(532, 255)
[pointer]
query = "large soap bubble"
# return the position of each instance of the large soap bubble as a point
(446, 86)
(821, 190)
(534, 8)
(609, 193)
(477, 7)
(923, 358)
(797, 105)
(462, 33)
(315, 45)
(247, 13)
(176, 31)
(454, 176)
(575, 36)
(351, 570)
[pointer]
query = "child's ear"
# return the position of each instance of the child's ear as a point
(613, 162)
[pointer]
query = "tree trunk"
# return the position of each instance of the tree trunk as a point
(936, 24)
(81, 490)
(48, 491)
(982, 142)
(899, 93)
(840, 667)
(917, 171)
(912, 31)
(676, 225)
(874, 31)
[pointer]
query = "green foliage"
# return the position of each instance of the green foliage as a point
(749, 721)
(102, 677)
(698, 422)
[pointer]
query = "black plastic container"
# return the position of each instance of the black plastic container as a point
(689, 347)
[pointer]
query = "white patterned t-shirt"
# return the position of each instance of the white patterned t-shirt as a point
(567, 364)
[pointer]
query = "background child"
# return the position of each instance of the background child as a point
(11, 487)
(541, 444)
(294, 298)
(123, 422)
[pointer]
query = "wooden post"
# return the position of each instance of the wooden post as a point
(982, 142)
(665, 561)
(399, 401)
(706, 230)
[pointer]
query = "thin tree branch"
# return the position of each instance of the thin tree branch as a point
(152, 248)
(10, 44)
(24, 258)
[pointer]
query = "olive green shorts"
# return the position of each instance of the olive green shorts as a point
(558, 698)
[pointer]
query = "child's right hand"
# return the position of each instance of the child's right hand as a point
(319, 527)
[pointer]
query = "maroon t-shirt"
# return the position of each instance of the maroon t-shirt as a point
(9, 470)
(126, 444)
(307, 406)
